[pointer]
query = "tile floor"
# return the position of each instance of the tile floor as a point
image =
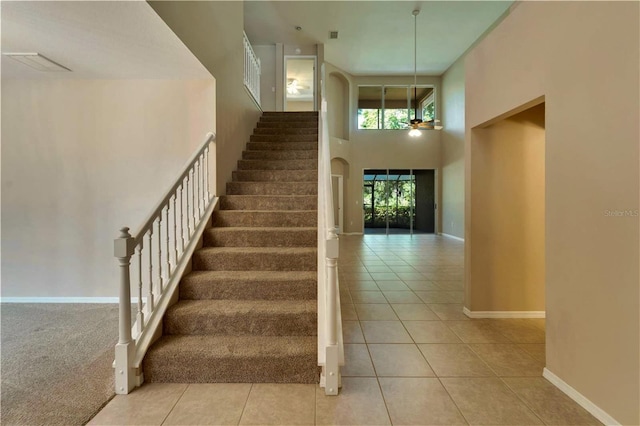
(412, 357)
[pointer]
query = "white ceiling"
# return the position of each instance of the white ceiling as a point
(96, 40)
(375, 37)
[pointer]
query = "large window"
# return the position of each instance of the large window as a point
(391, 107)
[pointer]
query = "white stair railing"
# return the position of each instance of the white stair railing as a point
(330, 343)
(251, 69)
(157, 256)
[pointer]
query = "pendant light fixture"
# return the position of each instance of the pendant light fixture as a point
(417, 123)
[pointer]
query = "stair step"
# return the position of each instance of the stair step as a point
(242, 317)
(261, 237)
(282, 146)
(280, 155)
(275, 176)
(286, 131)
(245, 285)
(278, 165)
(255, 258)
(272, 188)
(289, 116)
(232, 359)
(265, 218)
(284, 138)
(268, 202)
(288, 124)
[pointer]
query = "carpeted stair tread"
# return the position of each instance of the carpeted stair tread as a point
(272, 188)
(243, 285)
(269, 202)
(265, 218)
(282, 146)
(255, 258)
(261, 237)
(275, 176)
(288, 124)
(239, 317)
(284, 138)
(234, 359)
(290, 154)
(285, 131)
(278, 164)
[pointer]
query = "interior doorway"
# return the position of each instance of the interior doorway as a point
(399, 201)
(300, 83)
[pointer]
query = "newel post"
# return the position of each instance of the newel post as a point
(123, 247)
(332, 356)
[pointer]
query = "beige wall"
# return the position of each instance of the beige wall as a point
(453, 150)
(267, 56)
(507, 214)
(80, 160)
(583, 57)
(213, 32)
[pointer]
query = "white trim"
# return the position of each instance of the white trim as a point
(583, 401)
(503, 314)
(452, 236)
(352, 233)
(65, 300)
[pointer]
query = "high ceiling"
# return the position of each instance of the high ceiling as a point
(375, 37)
(95, 39)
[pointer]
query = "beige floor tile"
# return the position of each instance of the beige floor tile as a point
(419, 401)
(411, 276)
(378, 268)
(449, 312)
(393, 286)
(519, 330)
(375, 312)
(549, 402)
(476, 332)
(351, 332)
(401, 297)
(488, 401)
(278, 404)
(430, 332)
(384, 276)
(537, 351)
(422, 286)
(450, 285)
(361, 285)
(508, 360)
(148, 405)
(385, 332)
(355, 276)
(368, 297)
(441, 296)
(399, 361)
(348, 311)
(454, 360)
(402, 268)
(396, 262)
(357, 361)
(414, 312)
(210, 404)
(360, 403)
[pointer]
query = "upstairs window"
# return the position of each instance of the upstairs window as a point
(391, 107)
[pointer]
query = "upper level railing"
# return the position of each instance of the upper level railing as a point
(251, 70)
(330, 344)
(154, 259)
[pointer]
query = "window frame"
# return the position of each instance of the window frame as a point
(381, 111)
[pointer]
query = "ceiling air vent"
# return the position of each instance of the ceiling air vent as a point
(333, 35)
(37, 61)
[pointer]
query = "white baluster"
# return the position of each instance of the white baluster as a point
(140, 315)
(182, 225)
(199, 182)
(160, 280)
(175, 229)
(193, 200)
(166, 225)
(152, 291)
(206, 163)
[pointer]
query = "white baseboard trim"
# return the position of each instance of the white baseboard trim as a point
(503, 314)
(65, 300)
(583, 401)
(452, 236)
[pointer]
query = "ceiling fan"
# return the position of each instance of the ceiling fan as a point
(416, 124)
(294, 87)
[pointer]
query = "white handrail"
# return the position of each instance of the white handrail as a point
(159, 266)
(330, 345)
(251, 69)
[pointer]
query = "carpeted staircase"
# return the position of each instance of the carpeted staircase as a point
(247, 311)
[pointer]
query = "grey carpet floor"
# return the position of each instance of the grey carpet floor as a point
(56, 362)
